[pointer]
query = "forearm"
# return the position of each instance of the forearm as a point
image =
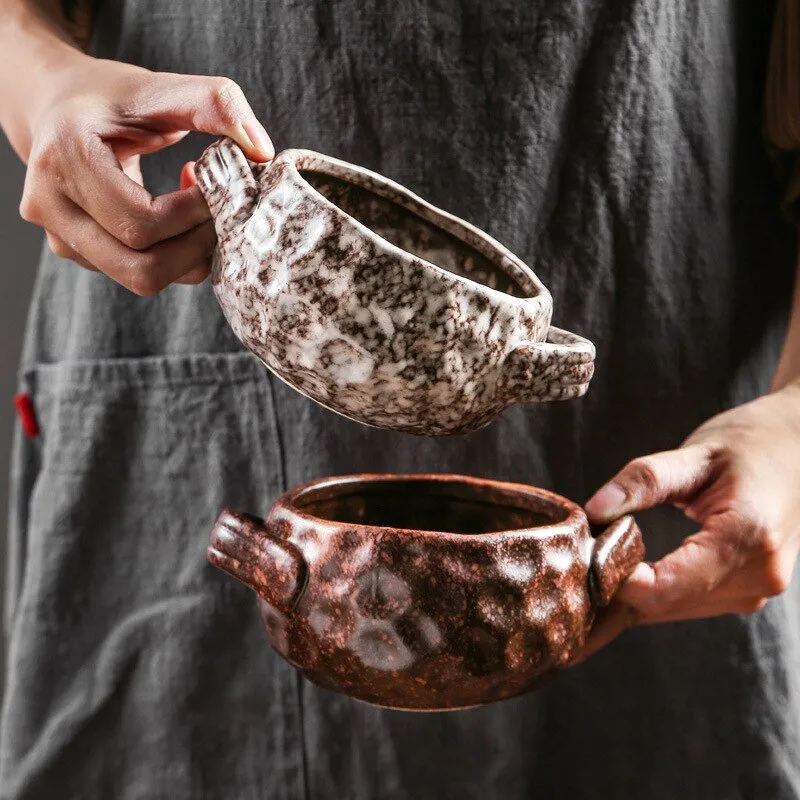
(788, 371)
(36, 39)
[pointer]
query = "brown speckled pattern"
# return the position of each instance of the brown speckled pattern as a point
(323, 270)
(615, 549)
(425, 592)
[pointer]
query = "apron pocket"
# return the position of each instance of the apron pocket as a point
(132, 662)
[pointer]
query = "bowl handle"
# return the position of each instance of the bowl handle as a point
(274, 568)
(226, 181)
(616, 552)
(559, 368)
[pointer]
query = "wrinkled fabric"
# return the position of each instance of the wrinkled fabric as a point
(615, 145)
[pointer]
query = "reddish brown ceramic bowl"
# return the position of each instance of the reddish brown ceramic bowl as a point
(426, 592)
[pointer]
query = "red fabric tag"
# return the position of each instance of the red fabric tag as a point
(27, 415)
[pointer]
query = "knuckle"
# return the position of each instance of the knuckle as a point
(706, 581)
(56, 141)
(30, 208)
(136, 234)
(44, 158)
(731, 550)
(58, 246)
(752, 606)
(143, 278)
(643, 473)
(766, 541)
(775, 577)
(144, 285)
(227, 98)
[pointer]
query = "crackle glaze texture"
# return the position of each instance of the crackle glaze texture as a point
(374, 303)
(426, 592)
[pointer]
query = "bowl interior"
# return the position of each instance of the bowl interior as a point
(414, 234)
(428, 504)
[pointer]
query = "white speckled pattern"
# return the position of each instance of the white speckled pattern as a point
(374, 303)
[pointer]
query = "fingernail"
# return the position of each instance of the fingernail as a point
(606, 501)
(260, 138)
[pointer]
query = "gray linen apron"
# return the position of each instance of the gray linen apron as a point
(614, 145)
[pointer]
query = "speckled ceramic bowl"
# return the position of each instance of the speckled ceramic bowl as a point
(426, 592)
(374, 303)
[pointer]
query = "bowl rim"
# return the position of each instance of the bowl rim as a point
(489, 247)
(574, 520)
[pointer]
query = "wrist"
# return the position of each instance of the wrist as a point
(38, 51)
(790, 391)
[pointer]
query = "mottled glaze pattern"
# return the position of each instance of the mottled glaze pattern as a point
(374, 303)
(426, 592)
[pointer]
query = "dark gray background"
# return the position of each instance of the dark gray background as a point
(19, 250)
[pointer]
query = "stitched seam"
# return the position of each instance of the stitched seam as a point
(297, 678)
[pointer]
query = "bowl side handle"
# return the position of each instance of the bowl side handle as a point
(274, 568)
(559, 368)
(226, 181)
(616, 552)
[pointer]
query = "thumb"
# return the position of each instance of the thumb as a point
(188, 176)
(207, 104)
(673, 476)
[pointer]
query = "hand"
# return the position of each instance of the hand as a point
(84, 184)
(738, 475)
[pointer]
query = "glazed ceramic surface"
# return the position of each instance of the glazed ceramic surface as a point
(426, 592)
(374, 303)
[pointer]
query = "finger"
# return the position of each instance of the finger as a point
(188, 177)
(143, 272)
(767, 573)
(212, 105)
(142, 142)
(132, 167)
(617, 618)
(202, 271)
(196, 275)
(608, 625)
(674, 475)
(685, 578)
(123, 207)
(731, 558)
(63, 250)
(718, 608)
